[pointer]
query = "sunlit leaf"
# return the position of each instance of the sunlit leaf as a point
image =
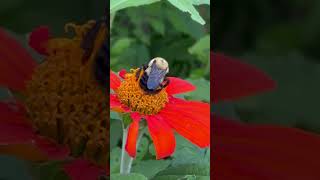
(131, 176)
(116, 5)
(187, 6)
(149, 168)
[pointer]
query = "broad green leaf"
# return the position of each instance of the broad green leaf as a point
(115, 133)
(131, 176)
(116, 5)
(150, 168)
(202, 91)
(201, 171)
(142, 148)
(158, 26)
(201, 49)
(187, 6)
(115, 160)
(13, 168)
(187, 153)
(120, 45)
(199, 2)
(182, 23)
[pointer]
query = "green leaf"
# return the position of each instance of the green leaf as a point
(131, 176)
(150, 168)
(120, 45)
(187, 153)
(201, 49)
(115, 133)
(143, 148)
(187, 6)
(202, 91)
(188, 171)
(158, 26)
(182, 23)
(115, 160)
(199, 2)
(13, 168)
(116, 5)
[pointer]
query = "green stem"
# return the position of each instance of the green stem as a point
(126, 160)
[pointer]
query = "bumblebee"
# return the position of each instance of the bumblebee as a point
(100, 50)
(152, 76)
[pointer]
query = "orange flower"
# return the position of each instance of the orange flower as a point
(163, 113)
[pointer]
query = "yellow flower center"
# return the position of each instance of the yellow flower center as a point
(64, 101)
(131, 94)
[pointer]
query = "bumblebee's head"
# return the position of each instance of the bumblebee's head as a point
(159, 63)
(156, 72)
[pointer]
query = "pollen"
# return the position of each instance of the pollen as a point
(131, 94)
(67, 106)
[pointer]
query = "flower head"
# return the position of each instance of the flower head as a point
(60, 102)
(163, 112)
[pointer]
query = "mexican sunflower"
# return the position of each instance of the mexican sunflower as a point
(57, 111)
(246, 151)
(163, 112)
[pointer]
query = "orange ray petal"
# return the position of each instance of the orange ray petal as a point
(114, 81)
(16, 64)
(268, 151)
(81, 169)
(178, 86)
(191, 119)
(133, 132)
(162, 136)
(38, 39)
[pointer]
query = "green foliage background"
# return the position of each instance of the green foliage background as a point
(139, 34)
(282, 38)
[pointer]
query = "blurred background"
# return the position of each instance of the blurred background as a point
(281, 38)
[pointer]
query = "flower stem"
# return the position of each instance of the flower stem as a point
(126, 160)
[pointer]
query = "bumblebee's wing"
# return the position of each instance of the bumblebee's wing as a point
(155, 78)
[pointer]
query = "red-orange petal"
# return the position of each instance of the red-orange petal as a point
(263, 151)
(81, 169)
(14, 128)
(51, 149)
(233, 79)
(178, 86)
(115, 104)
(122, 73)
(114, 81)
(191, 119)
(162, 136)
(133, 132)
(16, 64)
(38, 39)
